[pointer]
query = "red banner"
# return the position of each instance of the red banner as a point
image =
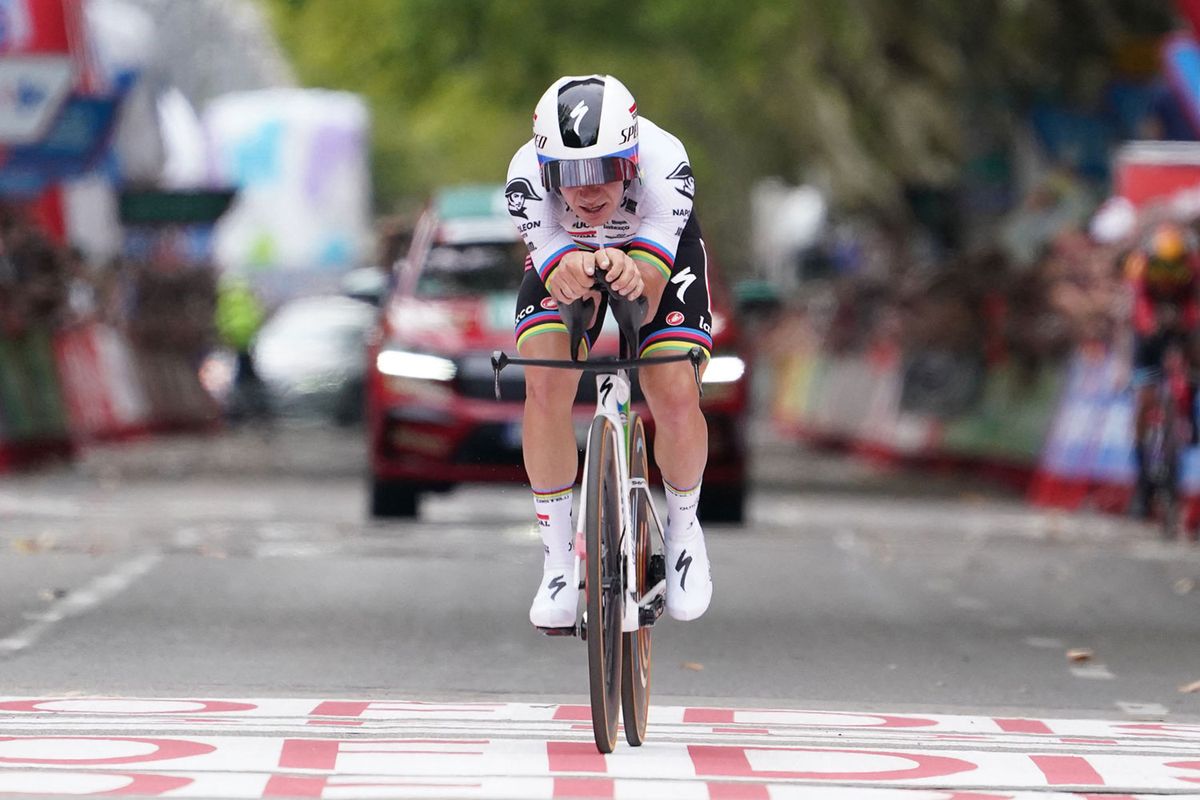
(34, 27)
(1191, 10)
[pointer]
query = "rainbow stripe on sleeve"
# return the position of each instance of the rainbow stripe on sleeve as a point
(653, 254)
(552, 262)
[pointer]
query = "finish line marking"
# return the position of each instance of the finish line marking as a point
(335, 748)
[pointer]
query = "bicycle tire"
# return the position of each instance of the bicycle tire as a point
(1168, 490)
(602, 581)
(635, 646)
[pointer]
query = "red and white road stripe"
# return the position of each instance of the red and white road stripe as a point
(336, 748)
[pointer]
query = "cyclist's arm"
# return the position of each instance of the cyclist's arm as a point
(657, 237)
(536, 211)
(1143, 318)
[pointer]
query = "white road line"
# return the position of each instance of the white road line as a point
(80, 601)
(1143, 709)
(1044, 642)
(1093, 672)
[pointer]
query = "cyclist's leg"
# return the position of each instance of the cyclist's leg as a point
(1147, 371)
(1191, 351)
(549, 449)
(683, 321)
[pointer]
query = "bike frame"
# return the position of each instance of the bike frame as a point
(613, 393)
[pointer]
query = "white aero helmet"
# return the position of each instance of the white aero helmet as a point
(585, 129)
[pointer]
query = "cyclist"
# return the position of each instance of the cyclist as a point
(1164, 275)
(598, 188)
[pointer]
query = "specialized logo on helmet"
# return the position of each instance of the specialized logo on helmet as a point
(580, 104)
(517, 192)
(687, 181)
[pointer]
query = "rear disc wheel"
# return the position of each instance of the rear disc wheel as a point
(635, 646)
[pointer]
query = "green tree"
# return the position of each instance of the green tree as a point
(867, 97)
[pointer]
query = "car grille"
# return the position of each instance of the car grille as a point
(488, 444)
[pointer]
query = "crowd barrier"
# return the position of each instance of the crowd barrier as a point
(857, 402)
(88, 383)
(1088, 457)
(1063, 434)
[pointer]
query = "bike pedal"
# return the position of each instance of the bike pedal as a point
(649, 615)
(656, 570)
(569, 631)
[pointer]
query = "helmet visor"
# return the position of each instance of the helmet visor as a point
(587, 171)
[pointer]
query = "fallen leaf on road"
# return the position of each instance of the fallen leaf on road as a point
(1183, 586)
(1078, 654)
(1191, 688)
(693, 666)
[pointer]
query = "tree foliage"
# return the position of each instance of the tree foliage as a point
(865, 97)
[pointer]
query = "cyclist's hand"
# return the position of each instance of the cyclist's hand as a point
(572, 279)
(622, 271)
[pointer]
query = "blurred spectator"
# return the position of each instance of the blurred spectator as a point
(239, 316)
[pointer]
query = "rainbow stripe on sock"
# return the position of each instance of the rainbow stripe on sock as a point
(546, 495)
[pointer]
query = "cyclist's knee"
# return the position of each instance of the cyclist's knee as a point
(670, 390)
(550, 389)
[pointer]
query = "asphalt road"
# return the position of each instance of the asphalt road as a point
(244, 567)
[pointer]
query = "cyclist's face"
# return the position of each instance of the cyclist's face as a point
(595, 204)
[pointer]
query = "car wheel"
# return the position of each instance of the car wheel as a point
(723, 504)
(393, 499)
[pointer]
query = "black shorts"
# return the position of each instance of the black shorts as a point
(684, 318)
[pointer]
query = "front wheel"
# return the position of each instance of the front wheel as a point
(635, 675)
(602, 580)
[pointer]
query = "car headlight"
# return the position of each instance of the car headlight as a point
(422, 366)
(724, 369)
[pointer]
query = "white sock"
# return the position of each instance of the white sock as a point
(681, 510)
(553, 508)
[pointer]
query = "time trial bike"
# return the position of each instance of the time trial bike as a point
(621, 569)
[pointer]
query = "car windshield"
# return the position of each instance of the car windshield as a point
(472, 269)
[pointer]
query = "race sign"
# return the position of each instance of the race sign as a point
(32, 91)
(16, 26)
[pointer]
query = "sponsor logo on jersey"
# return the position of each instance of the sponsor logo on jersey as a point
(549, 303)
(684, 279)
(517, 192)
(682, 174)
(629, 204)
(681, 212)
(527, 226)
(525, 312)
(675, 318)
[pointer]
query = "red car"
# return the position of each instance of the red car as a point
(432, 417)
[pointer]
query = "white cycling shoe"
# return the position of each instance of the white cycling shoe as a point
(689, 581)
(557, 600)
